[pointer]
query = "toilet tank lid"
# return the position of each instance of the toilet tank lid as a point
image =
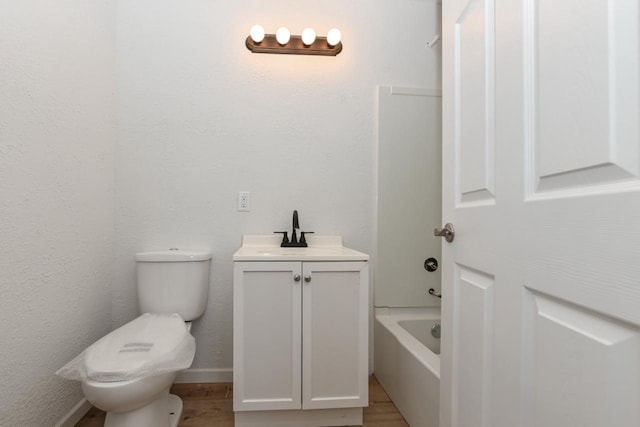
(173, 255)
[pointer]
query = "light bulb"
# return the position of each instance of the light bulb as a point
(308, 36)
(333, 36)
(283, 35)
(257, 33)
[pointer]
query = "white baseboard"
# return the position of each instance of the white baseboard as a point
(75, 414)
(205, 376)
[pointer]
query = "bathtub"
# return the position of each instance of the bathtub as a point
(407, 361)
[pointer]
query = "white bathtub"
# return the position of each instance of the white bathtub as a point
(408, 365)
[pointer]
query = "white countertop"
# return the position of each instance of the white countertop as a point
(321, 248)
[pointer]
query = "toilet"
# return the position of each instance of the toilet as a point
(128, 372)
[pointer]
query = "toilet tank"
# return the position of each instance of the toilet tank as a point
(173, 281)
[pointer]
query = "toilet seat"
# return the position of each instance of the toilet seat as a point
(150, 344)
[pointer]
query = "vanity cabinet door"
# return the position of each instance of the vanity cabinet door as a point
(266, 335)
(335, 335)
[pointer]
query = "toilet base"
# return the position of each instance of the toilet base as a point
(165, 411)
(175, 410)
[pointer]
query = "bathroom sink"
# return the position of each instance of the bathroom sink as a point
(321, 248)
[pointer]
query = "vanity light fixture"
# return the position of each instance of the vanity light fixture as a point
(283, 42)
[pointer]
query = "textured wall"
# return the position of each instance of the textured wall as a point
(200, 118)
(56, 198)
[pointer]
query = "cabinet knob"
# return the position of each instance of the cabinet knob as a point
(296, 278)
(307, 279)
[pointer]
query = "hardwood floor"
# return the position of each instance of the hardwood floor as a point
(211, 405)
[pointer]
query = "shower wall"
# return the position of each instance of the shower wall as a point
(409, 196)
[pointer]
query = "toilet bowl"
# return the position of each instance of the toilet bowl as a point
(128, 372)
(139, 402)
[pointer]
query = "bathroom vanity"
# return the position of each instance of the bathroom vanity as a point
(300, 333)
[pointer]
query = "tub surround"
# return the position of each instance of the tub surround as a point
(409, 140)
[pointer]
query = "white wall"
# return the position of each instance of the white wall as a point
(200, 118)
(56, 198)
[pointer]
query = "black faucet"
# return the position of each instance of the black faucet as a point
(294, 242)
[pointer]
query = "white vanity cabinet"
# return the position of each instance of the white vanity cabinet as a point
(300, 338)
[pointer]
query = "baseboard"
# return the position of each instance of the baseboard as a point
(205, 376)
(75, 414)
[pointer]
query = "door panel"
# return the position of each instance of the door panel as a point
(474, 118)
(583, 366)
(473, 299)
(583, 94)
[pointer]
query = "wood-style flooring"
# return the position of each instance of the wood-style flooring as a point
(211, 405)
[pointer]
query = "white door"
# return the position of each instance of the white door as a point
(541, 161)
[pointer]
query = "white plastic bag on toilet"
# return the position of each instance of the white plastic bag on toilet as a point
(148, 345)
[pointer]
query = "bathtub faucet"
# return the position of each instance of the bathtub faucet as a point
(433, 292)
